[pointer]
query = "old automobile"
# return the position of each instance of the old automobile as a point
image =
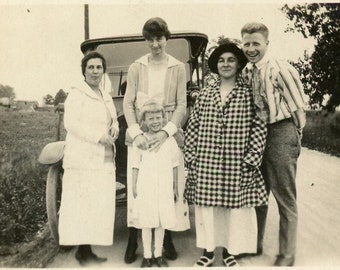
(120, 52)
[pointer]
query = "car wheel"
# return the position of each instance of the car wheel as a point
(53, 195)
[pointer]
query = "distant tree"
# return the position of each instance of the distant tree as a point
(60, 97)
(320, 71)
(48, 99)
(6, 91)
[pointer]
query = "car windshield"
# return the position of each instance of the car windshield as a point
(119, 56)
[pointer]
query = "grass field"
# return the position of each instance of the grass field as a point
(23, 179)
(322, 132)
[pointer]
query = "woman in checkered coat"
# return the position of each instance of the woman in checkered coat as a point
(224, 143)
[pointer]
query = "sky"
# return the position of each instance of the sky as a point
(40, 40)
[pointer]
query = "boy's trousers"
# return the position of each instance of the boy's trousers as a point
(279, 164)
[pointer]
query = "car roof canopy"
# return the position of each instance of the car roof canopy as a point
(197, 41)
(121, 51)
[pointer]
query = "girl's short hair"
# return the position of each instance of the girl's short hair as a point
(255, 27)
(151, 107)
(89, 56)
(156, 27)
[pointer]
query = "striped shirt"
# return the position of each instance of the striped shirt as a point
(281, 83)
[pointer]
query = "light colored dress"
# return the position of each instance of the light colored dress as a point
(87, 209)
(233, 229)
(154, 205)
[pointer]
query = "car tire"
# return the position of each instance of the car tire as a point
(53, 193)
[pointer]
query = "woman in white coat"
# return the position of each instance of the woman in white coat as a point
(87, 208)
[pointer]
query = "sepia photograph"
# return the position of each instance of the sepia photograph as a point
(169, 133)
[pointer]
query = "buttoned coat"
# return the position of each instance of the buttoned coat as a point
(85, 120)
(223, 149)
(174, 90)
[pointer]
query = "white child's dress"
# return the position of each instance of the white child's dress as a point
(154, 205)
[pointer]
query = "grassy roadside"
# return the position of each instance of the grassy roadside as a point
(322, 132)
(22, 178)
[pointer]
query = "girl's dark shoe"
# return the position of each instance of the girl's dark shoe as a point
(146, 263)
(160, 262)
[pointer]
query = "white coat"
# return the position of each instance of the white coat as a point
(87, 209)
(85, 120)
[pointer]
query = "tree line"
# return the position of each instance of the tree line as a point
(6, 91)
(60, 97)
(319, 71)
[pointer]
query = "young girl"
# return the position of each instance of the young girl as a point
(155, 185)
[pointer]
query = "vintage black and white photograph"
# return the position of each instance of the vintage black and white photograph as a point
(180, 134)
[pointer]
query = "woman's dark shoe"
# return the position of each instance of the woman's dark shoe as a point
(146, 263)
(170, 252)
(64, 249)
(84, 259)
(244, 255)
(130, 253)
(160, 262)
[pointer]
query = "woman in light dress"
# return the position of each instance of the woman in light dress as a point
(87, 208)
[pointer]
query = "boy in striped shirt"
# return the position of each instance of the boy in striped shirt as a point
(279, 100)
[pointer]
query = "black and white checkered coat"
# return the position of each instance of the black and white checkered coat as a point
(223, 150)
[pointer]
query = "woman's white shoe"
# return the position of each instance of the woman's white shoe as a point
(230, 261)
(204, 261)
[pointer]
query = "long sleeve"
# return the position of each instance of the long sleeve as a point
(191, 134)
(74, 119)
(290, 86)
(181, 97)
(129, 102)
(256, 142)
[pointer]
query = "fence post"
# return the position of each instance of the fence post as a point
(60, 110)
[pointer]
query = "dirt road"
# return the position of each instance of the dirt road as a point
(318, 243)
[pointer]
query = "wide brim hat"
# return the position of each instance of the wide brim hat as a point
(227, 47)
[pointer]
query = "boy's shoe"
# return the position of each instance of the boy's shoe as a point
(160, 262)
(282, 260)
(146, 263)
